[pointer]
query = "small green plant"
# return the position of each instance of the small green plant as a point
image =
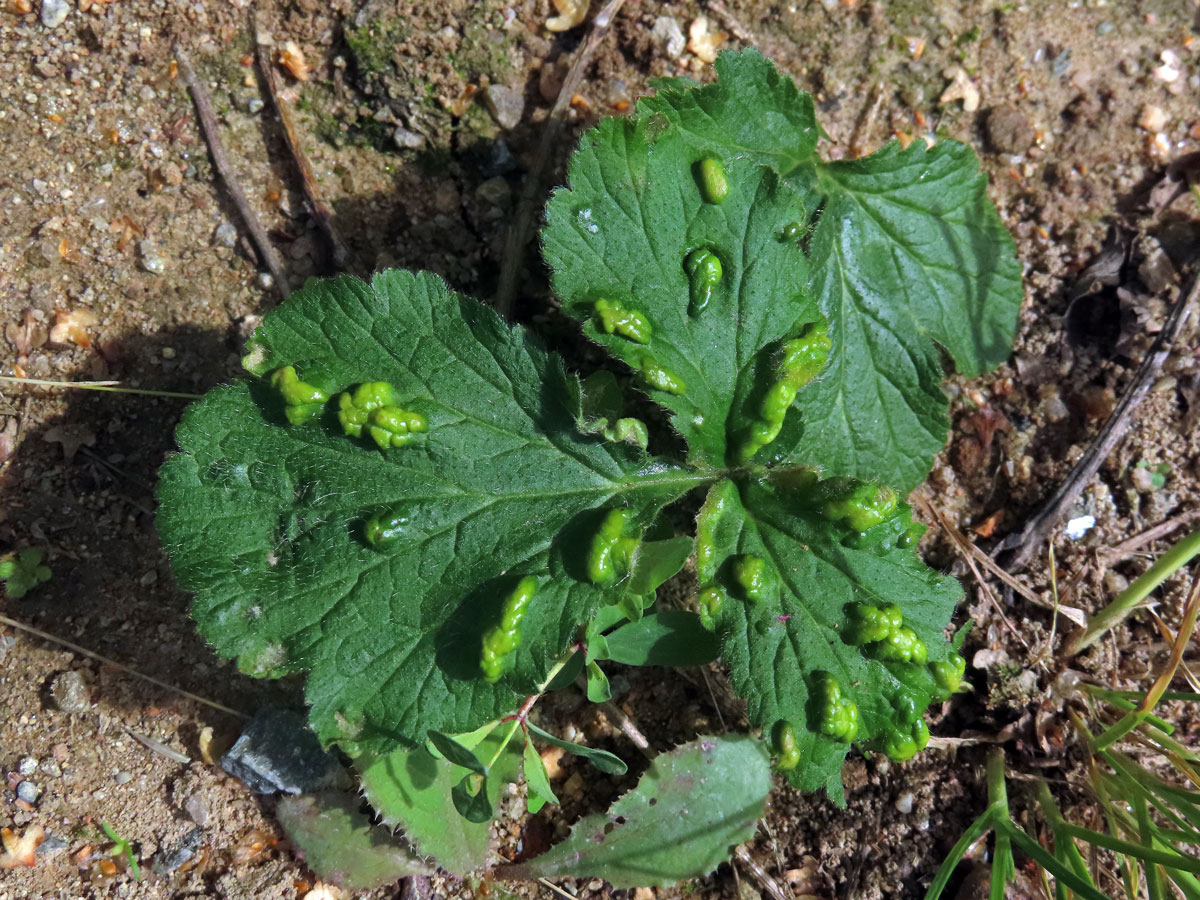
(122, 847)
(420, 506)
(22, 571)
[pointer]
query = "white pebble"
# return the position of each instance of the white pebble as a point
(54, 12)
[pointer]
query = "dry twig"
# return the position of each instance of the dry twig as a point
(967, 550)
(1015, 551)
(83, 651)
(531, 191)
(866, 120)
(759, 874)
(308, 179)
(628, 727)
(1110, 555)
(208, 128)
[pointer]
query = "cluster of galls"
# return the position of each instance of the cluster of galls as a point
(370, 408)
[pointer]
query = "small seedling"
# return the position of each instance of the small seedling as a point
(122, 847)
(504, 533)
(22, 571)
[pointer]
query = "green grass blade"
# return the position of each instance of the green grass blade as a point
(1154, 889)
(1145, 854)
(1002, 866)
(1062, 874)
(974, 832)
(1186, 884)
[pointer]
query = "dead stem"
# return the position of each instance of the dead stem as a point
(531, 191)
(82, 651)
(1015, 551)
(323, 215)
(208, 128)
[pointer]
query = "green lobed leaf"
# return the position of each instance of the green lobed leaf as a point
(411, 789)
(907, 251)
(703, 243)
(751, 111)
(688, 810)
(22, 571)
(904, 251)
(776, 647)
(341, 845)
(265, 521)
(622, 231)
(670, 638)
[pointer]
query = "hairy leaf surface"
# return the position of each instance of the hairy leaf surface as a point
(411, 789)
(341, 846)
(265, 521)
(904, 252)
(690, 808)
(776, 646)
(789, 314)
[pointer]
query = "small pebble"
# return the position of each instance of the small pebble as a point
(574, 786)
(1009, 130)
(167, 861)
(55, 12)
(254, 106)
(167, 353)
(1078, 526)
(1055, 409)
(495, 192)
(51, 845)
(495, 158)
(225, 235)
(1143, 480)
(278, 753)
(407, 140)
(668, 36)
(28, 791)
(1153, 118)
(7, 642)
(265, 281)
(1115, 582)
(70, 693)
(506, 105)
(904, 803)
(123, 778)
(27, 766)
(50, 767)
(152, 262)
(196, 809)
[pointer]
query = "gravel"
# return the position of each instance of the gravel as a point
(226, 235)
(55, 12)
(668, 36)
(407, 140)
(506, 105)
(28, 791)
(70, 693)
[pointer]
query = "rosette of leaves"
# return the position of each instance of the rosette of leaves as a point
(786, 312)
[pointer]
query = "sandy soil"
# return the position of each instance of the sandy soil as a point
(111, 220)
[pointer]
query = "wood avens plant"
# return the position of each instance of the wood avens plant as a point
(423, 508)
